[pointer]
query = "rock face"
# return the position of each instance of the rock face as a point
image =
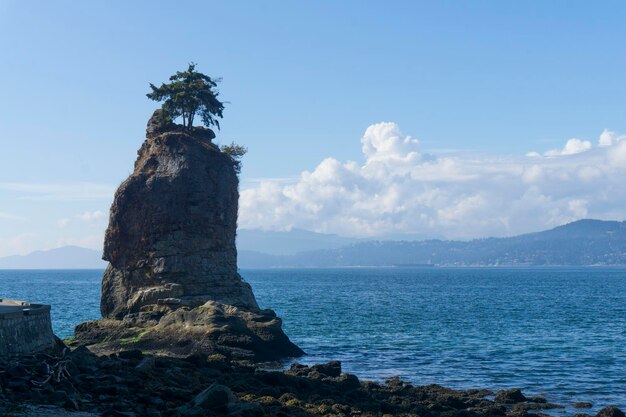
(172, 286)
(171, 233)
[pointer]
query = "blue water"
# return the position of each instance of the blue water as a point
(560, 332)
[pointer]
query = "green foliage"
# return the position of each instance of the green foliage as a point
(163, 119)
(189, 93)
(236, 152)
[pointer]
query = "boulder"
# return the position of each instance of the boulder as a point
(332, 368)
(215, 397)
(510, 396)
(610, 412)
(213, 328)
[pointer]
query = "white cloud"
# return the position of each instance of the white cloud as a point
(86, 217)
(617, 155)
(533, 174)
(590, 173)
(401, 190)
(91, 216)
(385, 142)
(17, 245)
(609, 138)
(578, 208)
(572, 147)
(94, 241)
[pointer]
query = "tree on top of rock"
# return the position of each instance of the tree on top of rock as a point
(190, 93)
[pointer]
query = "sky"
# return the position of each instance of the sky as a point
(362, 118)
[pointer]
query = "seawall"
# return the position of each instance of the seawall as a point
(25, 328)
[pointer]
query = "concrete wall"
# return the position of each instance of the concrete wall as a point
(24, 328)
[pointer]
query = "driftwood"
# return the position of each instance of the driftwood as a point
(39, 369)
(55, 370)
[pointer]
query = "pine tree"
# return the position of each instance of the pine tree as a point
(190, 93)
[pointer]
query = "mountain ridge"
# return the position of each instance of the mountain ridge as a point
(583, 242)
(65, 257)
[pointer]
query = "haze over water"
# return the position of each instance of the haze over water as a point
(560, 332)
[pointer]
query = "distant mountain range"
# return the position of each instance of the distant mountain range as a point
(288, 243)
(252, 241)
(584, 242)
(66, 257)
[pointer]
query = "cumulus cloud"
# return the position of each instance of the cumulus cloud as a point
(385, 142)
(400, 190)
(609, 138)
(572, 147)
(617, 155)
(91, 216)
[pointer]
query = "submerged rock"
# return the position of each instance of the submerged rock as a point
(172, 284)
(610, 412)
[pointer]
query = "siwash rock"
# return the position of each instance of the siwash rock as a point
(172, 227)
(172, 284)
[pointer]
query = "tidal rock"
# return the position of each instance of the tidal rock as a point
(610, 412)
(332, 368)
(213, 328)
(510, 396)
(172, 228)
(172, 286)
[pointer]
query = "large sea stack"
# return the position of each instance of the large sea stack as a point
(172, 284)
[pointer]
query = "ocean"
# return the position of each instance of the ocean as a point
(558, 332)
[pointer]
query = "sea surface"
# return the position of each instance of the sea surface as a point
(558, 332)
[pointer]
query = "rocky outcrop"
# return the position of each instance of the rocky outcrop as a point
(134, 384)
(212, 328)
(171, 233)
(172, 275)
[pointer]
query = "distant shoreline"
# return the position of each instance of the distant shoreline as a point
(617, 266)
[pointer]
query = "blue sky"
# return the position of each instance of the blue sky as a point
(304, 80)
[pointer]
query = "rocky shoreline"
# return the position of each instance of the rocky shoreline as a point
(132, 384)
(181, 333)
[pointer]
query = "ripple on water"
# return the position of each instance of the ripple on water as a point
(559, 332)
